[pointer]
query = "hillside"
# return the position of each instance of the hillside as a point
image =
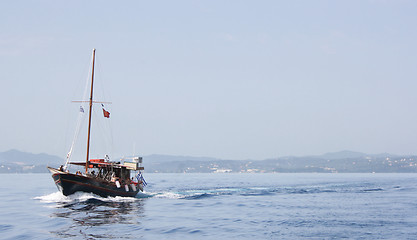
(15, 161)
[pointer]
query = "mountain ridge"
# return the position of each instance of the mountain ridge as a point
(14, 155)
(15, 161)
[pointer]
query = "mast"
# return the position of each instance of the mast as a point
(89, 113)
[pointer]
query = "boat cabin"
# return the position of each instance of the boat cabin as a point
(111, 171)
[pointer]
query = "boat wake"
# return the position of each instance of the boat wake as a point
(79, 197)
(192, 194)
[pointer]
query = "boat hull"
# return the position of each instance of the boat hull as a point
(69, 183)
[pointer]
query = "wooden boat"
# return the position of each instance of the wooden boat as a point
(101, 176)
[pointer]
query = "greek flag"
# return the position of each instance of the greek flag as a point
(140, 178)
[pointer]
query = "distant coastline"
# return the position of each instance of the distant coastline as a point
(14, 161)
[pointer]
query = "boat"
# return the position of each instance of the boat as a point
(99, 176)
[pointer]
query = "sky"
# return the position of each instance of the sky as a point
(224, 79)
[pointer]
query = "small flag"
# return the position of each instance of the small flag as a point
(139, 178)
(106, 113)
(81, 109)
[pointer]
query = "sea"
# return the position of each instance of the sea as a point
(217, 206)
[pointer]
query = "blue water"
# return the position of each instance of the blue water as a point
(217, 206)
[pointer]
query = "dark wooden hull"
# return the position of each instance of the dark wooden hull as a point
(69, 183)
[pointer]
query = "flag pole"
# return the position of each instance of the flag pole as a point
(89, 113)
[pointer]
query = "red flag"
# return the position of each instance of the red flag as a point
(106, 113)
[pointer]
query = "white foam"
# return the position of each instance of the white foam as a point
(119, 199)
(53, 197)
(170, 195)
(58, 197)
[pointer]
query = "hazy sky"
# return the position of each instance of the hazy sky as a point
(225, 79)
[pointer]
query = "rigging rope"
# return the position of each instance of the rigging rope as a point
(80, 120)
(84, 106)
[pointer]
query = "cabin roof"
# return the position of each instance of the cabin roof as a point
(100, 164)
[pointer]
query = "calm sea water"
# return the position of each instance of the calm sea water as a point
(217, 206)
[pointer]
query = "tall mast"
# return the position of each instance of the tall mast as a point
(89, 113)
